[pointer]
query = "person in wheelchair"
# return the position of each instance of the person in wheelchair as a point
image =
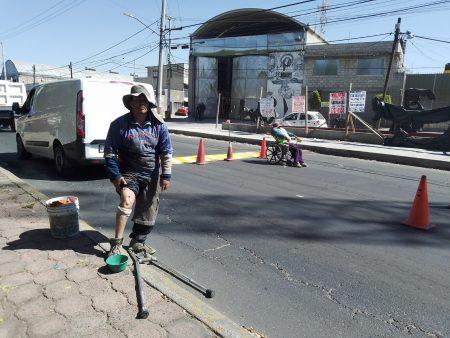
(287, 139)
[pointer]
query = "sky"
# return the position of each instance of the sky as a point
(56, 32)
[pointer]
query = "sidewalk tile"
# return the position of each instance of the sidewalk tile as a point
(195, 328)
(11, 268)
(81, 274)
(88, 322)
(95, 287)
(47, 326)
(111, 302)
(48, 277)
(16, 279)
(12, 328)
(24, 293)
(72, 305)
(61, 289)
(40, 307)
(166, 312)
(145, 329)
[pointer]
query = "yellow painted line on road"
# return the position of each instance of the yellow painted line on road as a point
(214, 157)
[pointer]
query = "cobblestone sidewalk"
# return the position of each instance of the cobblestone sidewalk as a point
(55, 288)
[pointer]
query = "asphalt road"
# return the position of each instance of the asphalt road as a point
(311, 252)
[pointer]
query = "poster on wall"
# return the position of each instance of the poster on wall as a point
(266, 107)
(338, 102)
(298, 104)
(284, 80)
(357, 101)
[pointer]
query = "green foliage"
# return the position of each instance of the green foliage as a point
(315, 101)
(387, 98)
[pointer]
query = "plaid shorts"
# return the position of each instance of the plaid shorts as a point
(147, 192)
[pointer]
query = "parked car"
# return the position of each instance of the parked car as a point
(182, 111)
(67, 121)
(315, 120)
(10, 93)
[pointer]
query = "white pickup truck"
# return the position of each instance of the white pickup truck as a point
(10, 93)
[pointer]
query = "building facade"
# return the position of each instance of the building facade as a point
(175, 75)
(272, 55)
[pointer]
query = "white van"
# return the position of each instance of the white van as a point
(10, 93)
(68, 120)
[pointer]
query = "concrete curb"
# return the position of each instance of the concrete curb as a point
(389, 158)
(216, 321)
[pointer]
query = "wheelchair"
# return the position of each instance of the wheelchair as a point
(279, 154)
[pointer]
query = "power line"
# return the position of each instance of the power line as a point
(431, 39)
(260, 11)
(115, 45)
(45, 19)
(27, 22)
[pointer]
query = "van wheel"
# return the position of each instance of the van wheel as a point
(22, 154)
(60, 160)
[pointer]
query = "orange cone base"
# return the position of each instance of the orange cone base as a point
(419, 226)
(229, 154)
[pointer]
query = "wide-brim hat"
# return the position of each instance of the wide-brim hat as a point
(136, 91)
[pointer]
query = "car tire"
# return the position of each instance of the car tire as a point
(22, 153)
(60, 160)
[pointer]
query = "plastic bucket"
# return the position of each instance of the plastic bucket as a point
(63, 216)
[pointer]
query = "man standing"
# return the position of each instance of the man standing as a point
(138, 155)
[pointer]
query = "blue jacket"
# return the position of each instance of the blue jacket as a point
(132, 149)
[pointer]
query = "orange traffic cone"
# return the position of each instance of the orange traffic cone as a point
(201, 152)
(229, 153)
(419, 216)
(263, 153)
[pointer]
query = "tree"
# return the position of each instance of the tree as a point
(387, 98)
(315, 101)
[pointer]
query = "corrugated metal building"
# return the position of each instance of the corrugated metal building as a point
(32, 74)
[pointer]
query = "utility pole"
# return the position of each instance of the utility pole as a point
(397, 33)
(388, 73)
(169, 71)
(3, 63)
(160, 61)
(71, 70)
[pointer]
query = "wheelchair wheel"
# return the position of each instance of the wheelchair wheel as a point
(287, 158)
(274, 154)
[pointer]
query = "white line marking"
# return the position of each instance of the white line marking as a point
(299, 196)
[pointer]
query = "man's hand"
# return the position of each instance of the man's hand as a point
(165, 184)
(119, 183)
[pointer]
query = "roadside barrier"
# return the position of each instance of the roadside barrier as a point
(419, 216)
(201, 152)
(229, 153)
(263, 152)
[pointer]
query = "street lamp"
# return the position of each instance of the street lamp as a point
(139, 20)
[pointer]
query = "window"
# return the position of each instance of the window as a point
(326, 67)
(374, 66)
(154, 73)
(291, 117)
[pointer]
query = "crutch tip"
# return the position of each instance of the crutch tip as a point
(142, 314)
(209, 293)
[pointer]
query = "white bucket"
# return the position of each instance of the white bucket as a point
(63, 218)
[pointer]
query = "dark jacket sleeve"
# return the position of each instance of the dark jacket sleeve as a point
(111, 152)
